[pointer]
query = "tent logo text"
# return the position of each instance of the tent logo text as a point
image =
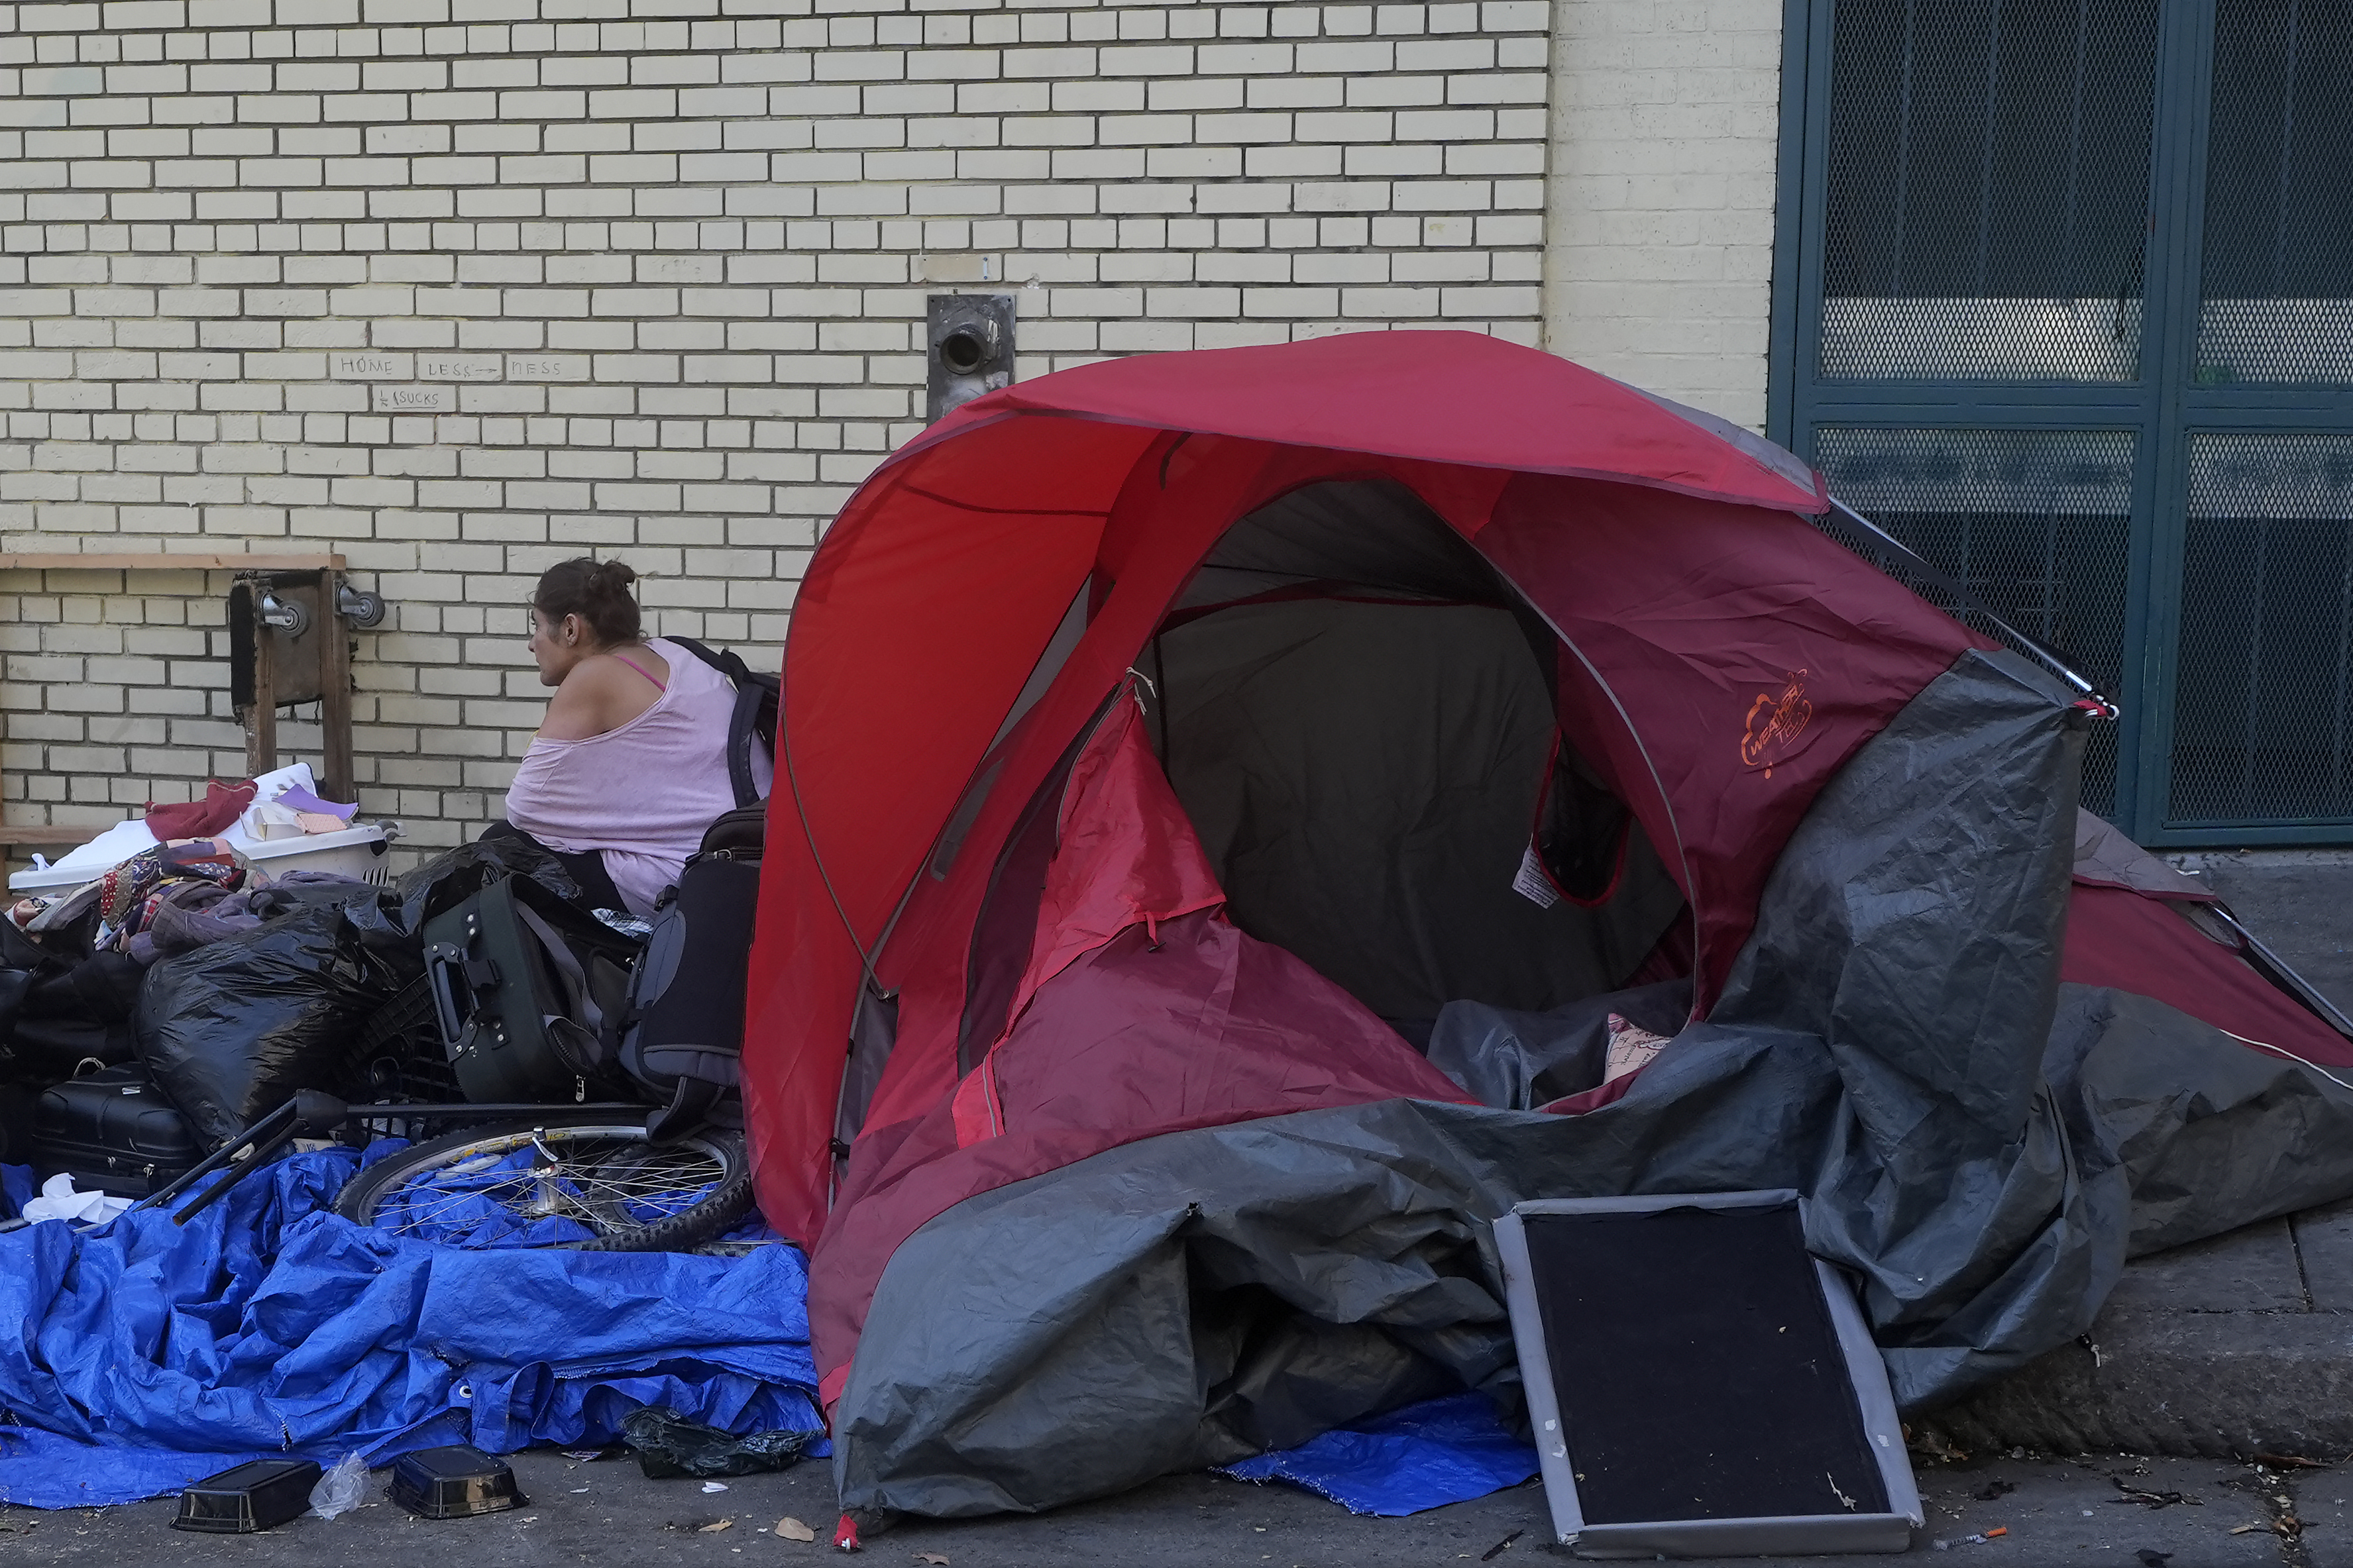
(1775, 720)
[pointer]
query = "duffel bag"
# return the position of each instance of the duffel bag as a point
(680, 1032)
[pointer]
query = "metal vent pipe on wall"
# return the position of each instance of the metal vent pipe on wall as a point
(968, 348)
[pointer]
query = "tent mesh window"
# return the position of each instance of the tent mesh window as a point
(1987, 192)
(2262, 726)
(2276, 282)
(2033, 523)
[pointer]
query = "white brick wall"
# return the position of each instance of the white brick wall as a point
(1660, 211)
(707, 224)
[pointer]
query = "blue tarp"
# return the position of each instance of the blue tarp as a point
(147, 1356)
(1422, 1456)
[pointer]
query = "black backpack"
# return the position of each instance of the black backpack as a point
(679, 1031)
(754, 721)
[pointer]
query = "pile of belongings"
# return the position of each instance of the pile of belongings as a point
(179, 878)
(273, 807)
(172, 898)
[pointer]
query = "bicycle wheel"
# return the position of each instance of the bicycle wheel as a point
(592, 1185)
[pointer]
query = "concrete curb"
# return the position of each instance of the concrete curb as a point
(2227, 1348)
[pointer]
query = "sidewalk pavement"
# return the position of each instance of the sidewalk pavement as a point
(2052, 1513)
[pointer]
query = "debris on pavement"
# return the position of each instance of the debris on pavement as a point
(1500, 1547)
(2150, 1500)
(1979, 1540)
(1927, 1443)
(341, 1490)
(668, 1445)
(791, 1528)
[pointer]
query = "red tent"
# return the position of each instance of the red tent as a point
(988, 792)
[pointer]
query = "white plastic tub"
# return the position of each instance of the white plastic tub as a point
(357, 851)
(54, 878)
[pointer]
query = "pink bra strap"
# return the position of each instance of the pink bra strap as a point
(641, 670)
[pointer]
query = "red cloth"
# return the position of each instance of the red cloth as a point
(223, 804)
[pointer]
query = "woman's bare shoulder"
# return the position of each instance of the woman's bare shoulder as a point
(601, 693)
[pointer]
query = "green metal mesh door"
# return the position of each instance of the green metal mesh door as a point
(2033, 523)
(2073, 320)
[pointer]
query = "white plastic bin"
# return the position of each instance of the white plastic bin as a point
(51, 879)
(357, 851)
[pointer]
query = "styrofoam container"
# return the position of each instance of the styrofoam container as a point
(357, 851)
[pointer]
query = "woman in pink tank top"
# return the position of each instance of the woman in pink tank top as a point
(630, 766)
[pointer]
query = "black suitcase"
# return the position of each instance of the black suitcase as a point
(112, 1132)
(681, 1035)
(521, 984)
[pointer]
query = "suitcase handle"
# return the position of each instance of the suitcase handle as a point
(452, 975)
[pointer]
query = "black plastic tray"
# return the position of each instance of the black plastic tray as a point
(453, 1483)
(260, 1494)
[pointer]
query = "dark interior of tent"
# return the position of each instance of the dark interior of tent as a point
(1359, 715)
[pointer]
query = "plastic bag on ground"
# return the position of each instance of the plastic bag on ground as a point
(668, 1446)
(341, 1488)
(60, 1201)
(232, 1030)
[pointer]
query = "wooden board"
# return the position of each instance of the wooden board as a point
(44, 835)
(154, 563)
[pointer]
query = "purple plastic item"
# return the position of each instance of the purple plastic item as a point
(299, 799)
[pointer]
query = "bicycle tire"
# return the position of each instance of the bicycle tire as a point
(722, 1203)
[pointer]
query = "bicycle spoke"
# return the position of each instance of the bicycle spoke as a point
(604, 1180)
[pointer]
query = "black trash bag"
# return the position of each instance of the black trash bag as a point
(668, 1446)
(61, 1004)
(230, 1030)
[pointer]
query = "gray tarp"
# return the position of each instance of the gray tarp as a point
(1983, 1146)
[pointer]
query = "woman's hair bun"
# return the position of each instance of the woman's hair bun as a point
(597, 591)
